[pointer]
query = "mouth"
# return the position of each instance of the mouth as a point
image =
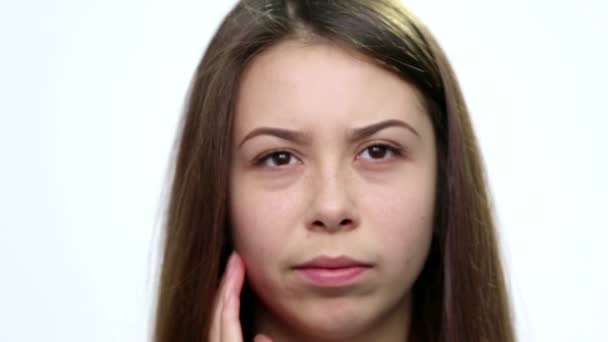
(333, 272)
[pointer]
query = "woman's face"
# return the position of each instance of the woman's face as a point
(332, 156)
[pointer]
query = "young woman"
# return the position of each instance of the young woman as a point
(328, 186)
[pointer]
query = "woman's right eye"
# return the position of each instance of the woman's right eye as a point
(276, 159)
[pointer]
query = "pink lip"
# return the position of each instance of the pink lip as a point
(333, 276)
(329, 262)
(326, 271)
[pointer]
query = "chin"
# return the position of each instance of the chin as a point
(343, 329)
(327, 318)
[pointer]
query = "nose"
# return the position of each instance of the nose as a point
(333, 208)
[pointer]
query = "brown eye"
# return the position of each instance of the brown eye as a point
(278, 158)
(380, 152)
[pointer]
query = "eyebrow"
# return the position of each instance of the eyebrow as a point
(304, 138)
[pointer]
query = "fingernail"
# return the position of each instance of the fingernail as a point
(228, 298)
(227, 291)
(229, 270)
(231, 260)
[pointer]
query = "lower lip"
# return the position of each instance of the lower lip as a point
(333, 276)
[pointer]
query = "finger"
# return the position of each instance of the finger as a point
(230, 323)
(262, 338)
(218, 305)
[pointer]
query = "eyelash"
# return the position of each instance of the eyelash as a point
(397, 152)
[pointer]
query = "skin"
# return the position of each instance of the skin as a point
(325, 191)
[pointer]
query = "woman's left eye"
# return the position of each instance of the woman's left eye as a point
(380, 151)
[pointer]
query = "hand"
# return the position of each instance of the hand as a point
(226, 325)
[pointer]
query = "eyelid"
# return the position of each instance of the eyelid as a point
(260, 158)
(397, 149)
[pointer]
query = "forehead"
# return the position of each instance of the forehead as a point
(296, 83)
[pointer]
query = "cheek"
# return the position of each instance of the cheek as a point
(262, 223)
(401, 218)
(264, 227)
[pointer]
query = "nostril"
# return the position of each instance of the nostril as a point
(333, 225)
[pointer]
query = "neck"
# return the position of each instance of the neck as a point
(394, 326)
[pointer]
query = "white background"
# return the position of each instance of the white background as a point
(90, 95)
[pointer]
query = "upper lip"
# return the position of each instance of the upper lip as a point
(332, 262)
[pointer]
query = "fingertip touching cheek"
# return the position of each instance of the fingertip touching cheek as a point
(332, 190)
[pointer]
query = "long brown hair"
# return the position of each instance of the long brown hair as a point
(461, 293)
